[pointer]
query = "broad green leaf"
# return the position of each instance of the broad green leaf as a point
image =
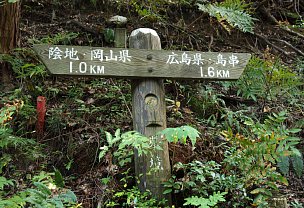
(59, 181)
(117, 133)
(169, 133)
(103, 152)
(108, 137)
(192, 133)
(109, 35)
(180, 134)
(167, 191)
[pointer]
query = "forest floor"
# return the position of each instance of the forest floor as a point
(184, 30)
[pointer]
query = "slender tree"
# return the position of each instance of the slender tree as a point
(9, 36)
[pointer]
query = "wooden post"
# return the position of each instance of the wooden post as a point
(41, 110)
(120, 37)
(149, 117)
(278, 202)
(120, 32)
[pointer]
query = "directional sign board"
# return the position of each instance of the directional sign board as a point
(135, 63)
(148, 95)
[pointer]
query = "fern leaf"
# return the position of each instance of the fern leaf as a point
(235, 17)
(69, 196)
(217, 197)
(297, 164)
(5, 182)
(43, 189)
(197, 201)
(57, 202)
(206, 202)
(283, 164)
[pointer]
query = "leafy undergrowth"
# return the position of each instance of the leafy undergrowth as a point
(232, 144)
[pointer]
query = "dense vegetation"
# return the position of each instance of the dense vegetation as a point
(232, 144)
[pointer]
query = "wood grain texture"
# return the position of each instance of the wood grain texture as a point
(120, 37)
(9, 38)
(149, 117)
(146, 64)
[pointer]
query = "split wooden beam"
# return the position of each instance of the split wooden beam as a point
(149, 117)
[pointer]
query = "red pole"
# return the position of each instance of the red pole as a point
(41, 110)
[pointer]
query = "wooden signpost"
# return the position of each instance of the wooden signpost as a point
(137, 63)
(146, 64)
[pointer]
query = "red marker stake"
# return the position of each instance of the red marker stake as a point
(41, 110)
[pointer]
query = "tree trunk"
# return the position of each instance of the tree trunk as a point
(9, 37)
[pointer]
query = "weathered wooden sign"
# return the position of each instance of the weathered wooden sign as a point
(145, 61)
(135, 63)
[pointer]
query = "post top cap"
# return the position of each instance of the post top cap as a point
(119, 20)
(144, 31)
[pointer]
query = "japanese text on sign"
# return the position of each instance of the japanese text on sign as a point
(55, 53)
(97, 61)
(197, 59)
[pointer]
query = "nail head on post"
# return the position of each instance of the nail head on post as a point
(149, 57)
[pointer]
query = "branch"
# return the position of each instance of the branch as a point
(269, 15)
(192, 23)
(86, 28)
(292, 31)
(189, 33)
(291, 46)
(273, 45)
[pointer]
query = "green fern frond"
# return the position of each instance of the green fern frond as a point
(283, 165)
(206, 202)
(7, 139)
(297, 164)
(5, 182)
(235, 15)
